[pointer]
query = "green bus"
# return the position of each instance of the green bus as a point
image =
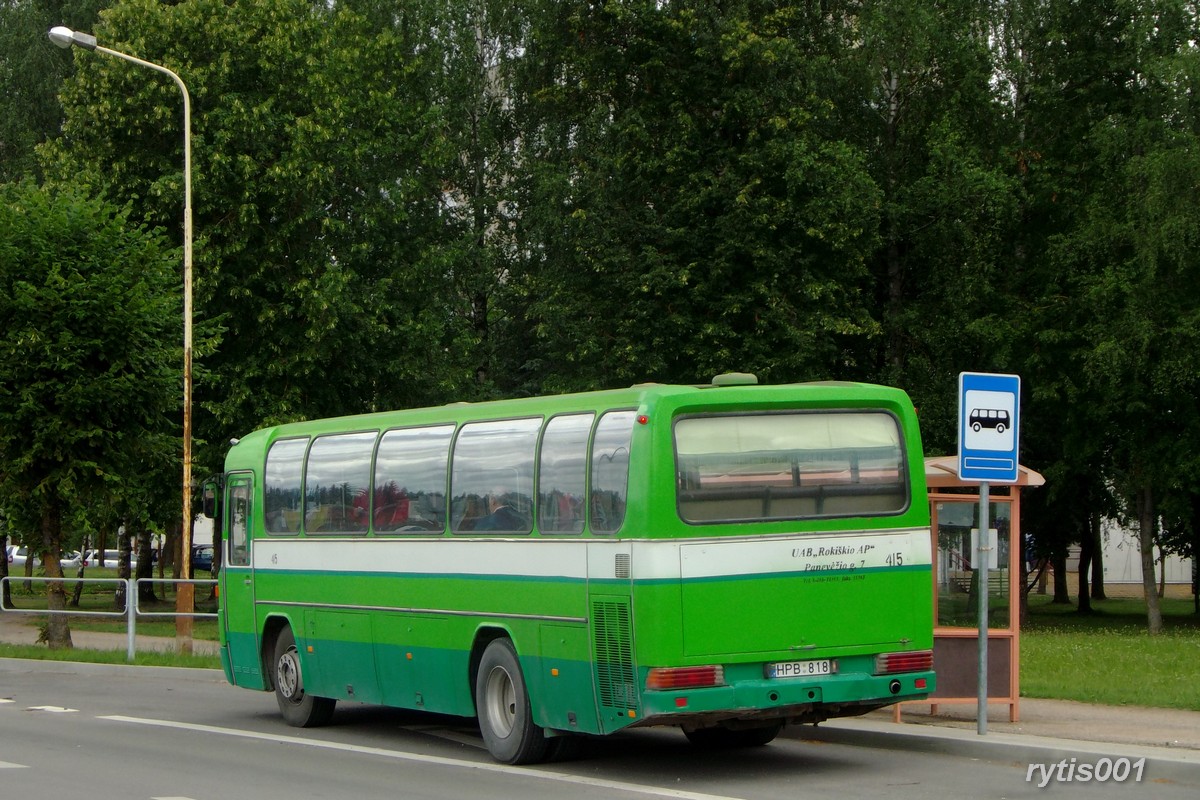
(726, 558)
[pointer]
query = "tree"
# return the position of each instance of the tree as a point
(319, 290)
(933, 128)
(88, 354)
(1090, 91)
(684, 211)
(1133, 254)
(31, 68)
(6, 591)
(472, 47)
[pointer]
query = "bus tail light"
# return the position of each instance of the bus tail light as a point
(891, 663)
(685, 677)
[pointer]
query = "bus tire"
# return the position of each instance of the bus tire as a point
(719, 737)
(502, 704)
(299, 709)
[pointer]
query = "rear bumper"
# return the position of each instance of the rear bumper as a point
(793, 700)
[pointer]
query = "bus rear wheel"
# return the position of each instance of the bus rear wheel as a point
(502, 703)
(720, 737)
(299, 709)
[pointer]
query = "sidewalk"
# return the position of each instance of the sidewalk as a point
(1049, 732)
(1066, 719)
(18, 628)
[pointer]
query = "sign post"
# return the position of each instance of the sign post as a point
(989, 408)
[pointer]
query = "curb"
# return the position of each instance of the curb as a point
(1162, 763)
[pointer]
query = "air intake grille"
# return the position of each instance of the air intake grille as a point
(614, 654)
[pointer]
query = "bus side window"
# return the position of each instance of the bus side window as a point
(610, 470)
(562, 474)
(410, 480)
(335, 483)
(281, 499)
(492, 476)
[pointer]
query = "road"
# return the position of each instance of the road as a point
(141, 733)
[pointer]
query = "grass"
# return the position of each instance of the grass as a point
(1107, 657)
(141, 659)
(99, 597)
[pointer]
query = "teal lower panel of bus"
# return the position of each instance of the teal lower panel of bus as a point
(241, 660)
(390, 659)
(423, 678)
(387, 659)
(226, 663)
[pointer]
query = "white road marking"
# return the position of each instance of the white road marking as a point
(632, 788)
(53, 709)
(9, 765)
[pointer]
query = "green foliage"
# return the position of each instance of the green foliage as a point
(686, 216)
(1121, 271)
(30, 69)
(88, 313)
(313, 208)
(85, 380)
(404, 204)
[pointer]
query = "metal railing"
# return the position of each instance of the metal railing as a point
(132, 610)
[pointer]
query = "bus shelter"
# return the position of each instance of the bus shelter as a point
(954, 524)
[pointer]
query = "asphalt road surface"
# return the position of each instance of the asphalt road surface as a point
(139, 733)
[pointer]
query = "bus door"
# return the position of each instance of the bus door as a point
(239, 619)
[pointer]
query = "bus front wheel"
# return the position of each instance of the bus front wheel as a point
(502, 703)
(299, 709)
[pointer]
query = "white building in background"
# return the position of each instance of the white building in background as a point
(202, 531)
(1123, 562)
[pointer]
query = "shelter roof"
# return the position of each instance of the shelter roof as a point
(942, 472)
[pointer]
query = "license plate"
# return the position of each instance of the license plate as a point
(801, 669)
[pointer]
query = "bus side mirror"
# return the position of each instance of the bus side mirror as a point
(208, 498)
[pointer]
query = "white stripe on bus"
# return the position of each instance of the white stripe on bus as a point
(649, 559)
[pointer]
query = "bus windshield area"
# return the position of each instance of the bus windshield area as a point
(777, 466)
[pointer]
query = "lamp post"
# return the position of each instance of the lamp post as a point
(185, 598)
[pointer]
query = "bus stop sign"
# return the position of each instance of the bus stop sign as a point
(988, 426)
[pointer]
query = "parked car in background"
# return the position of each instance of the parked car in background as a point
(202, 558)
(105, 558)
(111, 558)
(18, 554)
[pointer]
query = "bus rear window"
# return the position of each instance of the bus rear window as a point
(759, 467)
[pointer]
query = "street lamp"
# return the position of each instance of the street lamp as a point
(185, 600)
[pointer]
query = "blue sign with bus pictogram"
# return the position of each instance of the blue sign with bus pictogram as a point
(989, 408)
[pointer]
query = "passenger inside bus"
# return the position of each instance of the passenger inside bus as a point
(501, 516)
